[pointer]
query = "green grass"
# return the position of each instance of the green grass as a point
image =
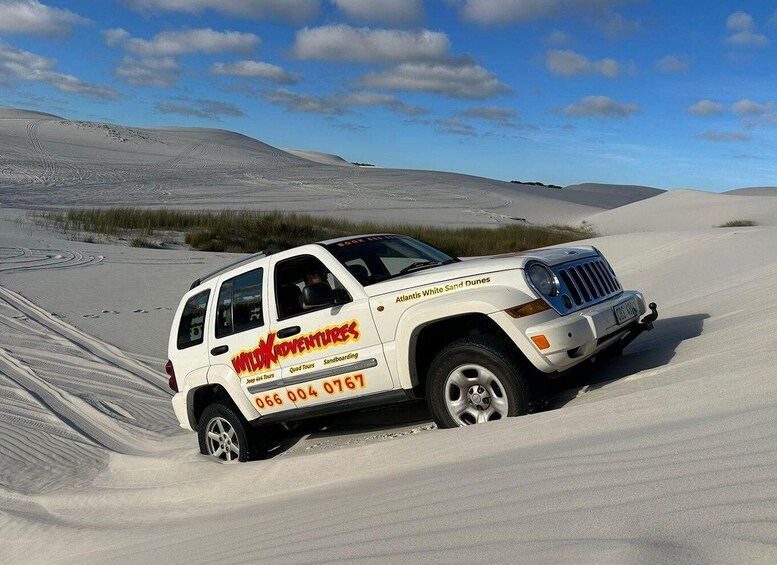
(142, 242)
(250, 231)
(738, 224)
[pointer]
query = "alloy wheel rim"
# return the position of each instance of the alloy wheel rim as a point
(475, 395)
(222, 440)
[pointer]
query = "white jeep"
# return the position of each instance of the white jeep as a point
(377, 319)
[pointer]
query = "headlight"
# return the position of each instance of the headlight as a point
(543, 279)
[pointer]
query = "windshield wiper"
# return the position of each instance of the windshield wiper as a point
(418, 265)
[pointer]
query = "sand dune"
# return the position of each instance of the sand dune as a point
(755, 191)
(614, 194)
(318, 157)
(666, 454)
(47, 161)
(686, 209)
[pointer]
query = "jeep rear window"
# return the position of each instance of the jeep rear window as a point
(190, 329)
(240, 304)
(377, 258)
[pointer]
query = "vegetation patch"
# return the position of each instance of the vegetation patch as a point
(247, 231)
(738, 224)
(535, 183)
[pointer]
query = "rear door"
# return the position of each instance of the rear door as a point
(239, 338)
(328, 354)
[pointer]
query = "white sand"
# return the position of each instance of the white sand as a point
(686, 209)
(667, 454)
(47, 161)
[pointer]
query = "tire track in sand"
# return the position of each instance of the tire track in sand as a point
(104, 351)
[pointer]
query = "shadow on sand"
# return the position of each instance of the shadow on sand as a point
(649, 351)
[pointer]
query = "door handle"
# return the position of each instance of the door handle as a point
(219, 350)
(288, 332)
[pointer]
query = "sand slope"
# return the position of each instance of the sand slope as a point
(615, 194)
(755, 191)
(318, 157)
(46, 161)
(686, 209)
(665, 455)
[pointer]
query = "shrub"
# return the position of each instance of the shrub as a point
(737, 224)
(249, 231)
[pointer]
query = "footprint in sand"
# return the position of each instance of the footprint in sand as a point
(140, 311)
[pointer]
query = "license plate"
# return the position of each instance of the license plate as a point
(626, 310)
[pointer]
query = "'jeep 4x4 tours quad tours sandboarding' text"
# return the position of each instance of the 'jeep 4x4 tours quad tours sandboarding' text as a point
(377, 319)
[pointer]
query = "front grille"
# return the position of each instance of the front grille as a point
(588, 281)
(583, 283)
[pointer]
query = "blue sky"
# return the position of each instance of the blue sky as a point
(653, 92)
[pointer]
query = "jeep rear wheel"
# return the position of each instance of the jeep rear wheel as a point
(473, 381)
(224, 435)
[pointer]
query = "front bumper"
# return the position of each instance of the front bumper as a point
(575, 337)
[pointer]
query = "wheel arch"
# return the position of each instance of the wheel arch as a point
(423, 332)
(202, 397)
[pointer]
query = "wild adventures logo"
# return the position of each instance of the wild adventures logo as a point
(268, 352)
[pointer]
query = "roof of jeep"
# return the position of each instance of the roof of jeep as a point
(350, 237)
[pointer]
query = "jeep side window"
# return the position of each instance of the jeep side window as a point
(190, 328)
(240, 304)
(291, 277)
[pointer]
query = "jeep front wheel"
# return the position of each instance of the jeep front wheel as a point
(475, 380)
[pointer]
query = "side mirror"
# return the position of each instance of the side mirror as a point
(318, 294)
(341, 296)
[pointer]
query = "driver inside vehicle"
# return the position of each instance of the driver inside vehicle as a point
(316, 277)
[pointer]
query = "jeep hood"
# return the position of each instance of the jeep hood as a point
(479, 266)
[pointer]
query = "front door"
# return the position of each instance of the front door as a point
(330, 353)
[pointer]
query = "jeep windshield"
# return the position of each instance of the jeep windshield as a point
(376, 258)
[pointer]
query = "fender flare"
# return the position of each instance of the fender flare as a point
(475, 301)
(225, 376)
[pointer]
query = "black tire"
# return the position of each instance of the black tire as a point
(219, 418)
(506, 388)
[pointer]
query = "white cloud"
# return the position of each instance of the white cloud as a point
(345, 43)
(722, 136)
(615, 25)
(366, 99)
(600, 106)
(460, 78)
(392, 12)
(744, 33)
(567, 63)
(115, 37)
(740, 21)
(454, 126)
(149, 71)
(672, 64)
(305, 103)
(32, 17)
(558, 39)
(255, 69)
(173, 43)
(292, 10)
(498, 114)
(706, 108)
(339, 104)
(499, 12)
(198, 107)
(153, 61)
(23, 65)
(747, 107)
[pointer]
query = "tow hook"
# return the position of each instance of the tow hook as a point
(647, 321)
